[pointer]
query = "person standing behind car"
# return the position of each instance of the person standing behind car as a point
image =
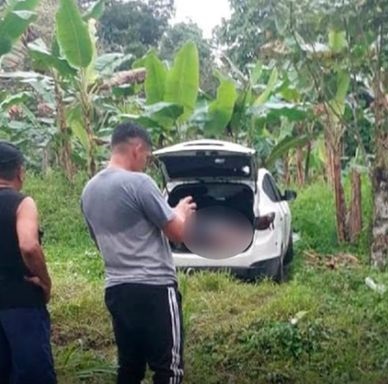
(25, 285)
(131, 223)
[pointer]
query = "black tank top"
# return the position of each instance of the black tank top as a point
(14, 290)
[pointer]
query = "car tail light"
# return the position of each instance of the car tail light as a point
(265, 221)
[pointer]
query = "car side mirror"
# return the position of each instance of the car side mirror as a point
(264, 222)
(289, 195)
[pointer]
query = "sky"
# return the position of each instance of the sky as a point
(206, 13)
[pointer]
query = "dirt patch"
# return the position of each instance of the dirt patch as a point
(337, 261)
(90, 339)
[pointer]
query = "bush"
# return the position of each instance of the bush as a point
(314, 219)
(59, 207)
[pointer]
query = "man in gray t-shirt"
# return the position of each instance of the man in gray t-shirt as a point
(131, 223)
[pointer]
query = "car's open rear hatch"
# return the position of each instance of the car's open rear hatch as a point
(208, 160)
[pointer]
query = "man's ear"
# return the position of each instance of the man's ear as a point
(138, 148)
(20, 175)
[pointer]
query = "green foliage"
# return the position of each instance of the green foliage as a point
(337, 41)
(316, 201)
(269, 88)
(177, 35)
(15, 20)
(73, 37)
(183, 79)
(250, 19)
(171, 94)
(58, 203)
(134, 26)
(17, 99)
(74, 121)
(158, 115)
(95, 11)
(155, 83)
(221, 109)
(43, 60)
(282, 148)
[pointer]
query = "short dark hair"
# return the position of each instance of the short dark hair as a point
(11, 159)
(129, 130)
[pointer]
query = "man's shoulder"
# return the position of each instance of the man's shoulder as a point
(13, 195)
(92, 184)
(118, 177)
(143, 177)
(136, 179)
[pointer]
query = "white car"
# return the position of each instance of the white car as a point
(222, 173)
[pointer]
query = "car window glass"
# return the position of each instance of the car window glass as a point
(211, 166)
(270, 189)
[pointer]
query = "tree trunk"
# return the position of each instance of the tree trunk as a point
(307, 163)
(379, 254)
(92, 164)
(339, 195)
(87, 117)
(299, 166)
(133, 76)
(355, 214)
(64, 135)
(379, 250)
(329, 162)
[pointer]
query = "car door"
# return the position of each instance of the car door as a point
(287, 221)
(272, 192)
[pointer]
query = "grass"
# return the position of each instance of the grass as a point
(323, 326)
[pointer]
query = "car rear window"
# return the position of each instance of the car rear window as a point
(209, 166)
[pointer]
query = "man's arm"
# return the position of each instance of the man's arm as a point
(90, 229)
(171, 221)
(27, 227)
(175, 228)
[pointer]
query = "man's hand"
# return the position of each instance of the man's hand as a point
(46, 288)
(175, 229)
(186, 207)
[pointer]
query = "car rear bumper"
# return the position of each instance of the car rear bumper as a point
(264, 268)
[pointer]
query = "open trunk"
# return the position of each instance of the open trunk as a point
(221, 177)
(235, 196)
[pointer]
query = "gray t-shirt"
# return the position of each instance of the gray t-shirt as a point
(125, 212)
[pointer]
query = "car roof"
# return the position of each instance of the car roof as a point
(206, 144)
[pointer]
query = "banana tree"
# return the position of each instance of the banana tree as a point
(81, 81)
(76, 45)
(334, 131)
(171, 93)
(240, 110)
(328, 68)
(374, 45)
(67, 63)
(26, 127)
(264, 113)
(14, 21)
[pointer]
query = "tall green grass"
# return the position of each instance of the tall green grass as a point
(314, 219)
(323, 326)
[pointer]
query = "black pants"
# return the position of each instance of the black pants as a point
(25, 350)
(147, 323)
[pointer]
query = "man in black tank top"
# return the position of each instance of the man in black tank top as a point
(25, 285)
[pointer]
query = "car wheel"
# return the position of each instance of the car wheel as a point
(279, 276)
(289, 255)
